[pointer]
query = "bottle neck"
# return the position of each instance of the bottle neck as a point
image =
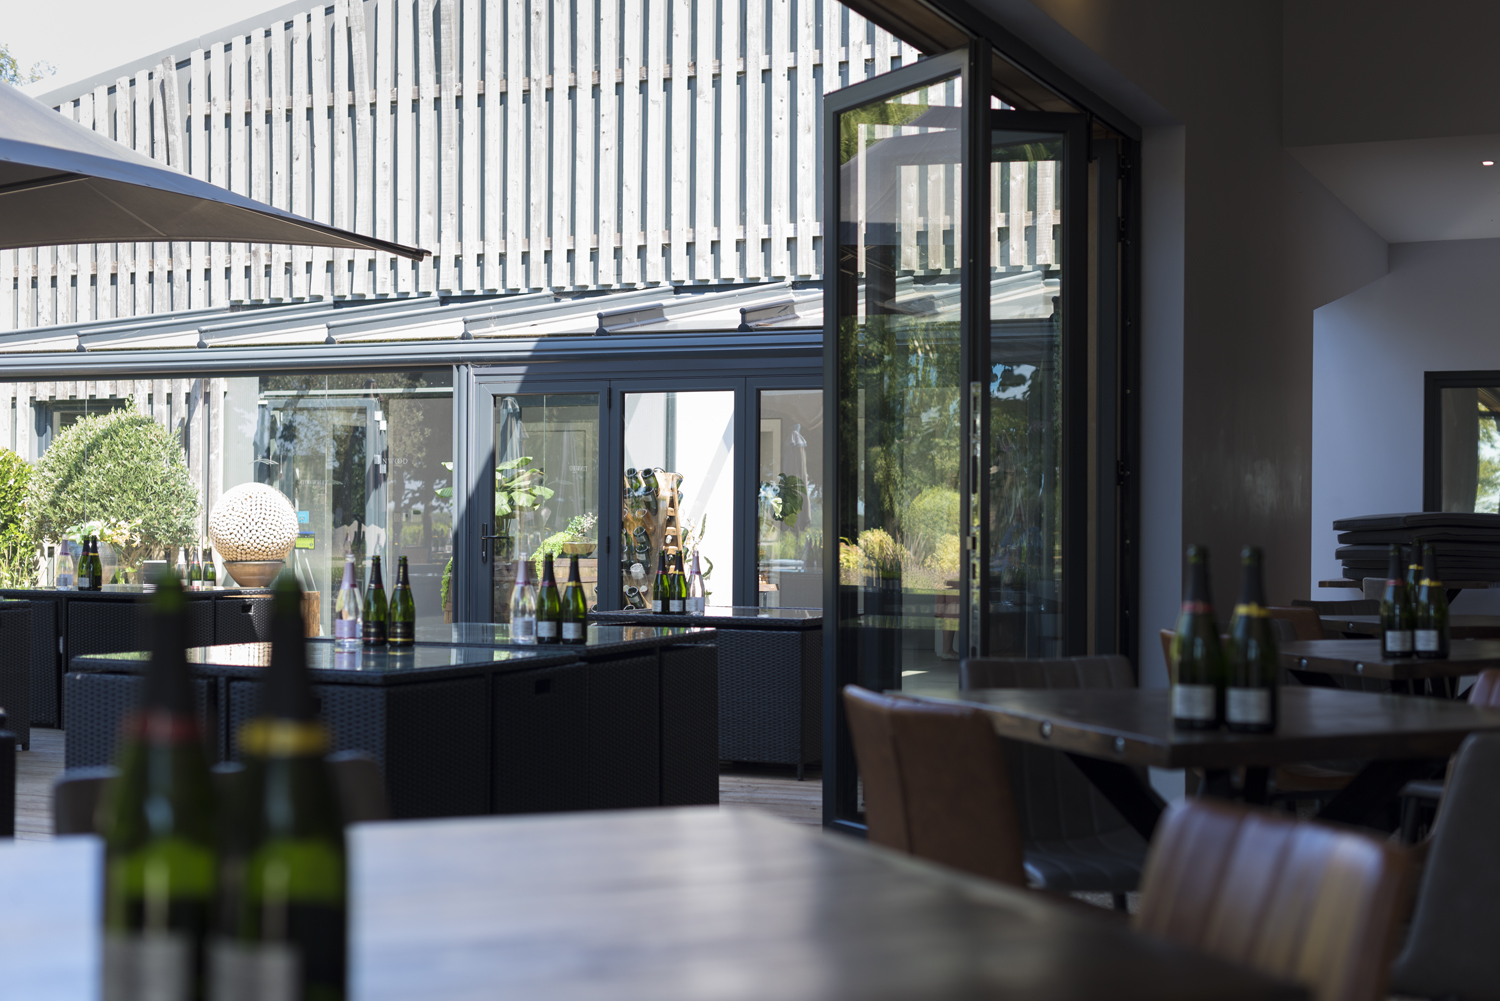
(548, 574)
(348, 572)
(573, 577)
(375, 578)
(402, 580)
(1198, 598)
(1252, 591)
(1393, 568)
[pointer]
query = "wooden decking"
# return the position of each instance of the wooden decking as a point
(775, 791)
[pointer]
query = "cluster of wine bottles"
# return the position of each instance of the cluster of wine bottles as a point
(243, 897)
(374, 621)
(1414, 608)
(1213, 686)
(197, 572)
(673, 591)
(538, 614)
(89, 573)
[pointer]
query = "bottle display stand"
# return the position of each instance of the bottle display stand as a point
(651, 500)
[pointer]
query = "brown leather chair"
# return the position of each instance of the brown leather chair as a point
(1422, 798)
(1292, 898)
(935, 783)
(1305, 621)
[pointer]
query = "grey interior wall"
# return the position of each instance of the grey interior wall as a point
(1263, 245)
(1366, 70)
(1437, 310)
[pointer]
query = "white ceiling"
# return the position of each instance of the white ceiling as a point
(1414, 190)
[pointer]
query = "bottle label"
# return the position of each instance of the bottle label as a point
(675, 605)
(65, 582)
(572, 630)
(401, 632)
(346, 629)
(1398, 641)
(1427, 641)
(374, 632)
(546, 630)
(155, 965)
(1248, 705)
(656, 604)
(259, 972)
(1195, 702)
(523, 630)
(1197, 608)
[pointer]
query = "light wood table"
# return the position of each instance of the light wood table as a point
(662, 905)
(1111, 733)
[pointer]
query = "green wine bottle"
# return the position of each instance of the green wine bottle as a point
(575, 611)
(1413, 574)
(195, 572)
(1431, 634)
(157, 818)
(1250, 695)
(677, 597)
(548, 606)
(376, 609)
(1396, 613)
(1196, 655)
(85, 569)
(96, 565)
(402, 630)
(210, 573)
(650, 489)
(286, 934)
(661, 584)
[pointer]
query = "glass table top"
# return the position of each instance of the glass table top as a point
(735, 612)
(498, 634)
(321, 656)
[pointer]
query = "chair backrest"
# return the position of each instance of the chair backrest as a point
(1356, 606)
(935, 783)
(1486, 690)
(1109, 671)
(1305, 621)
(1450, 947)
(75, 799)
(1293, 898)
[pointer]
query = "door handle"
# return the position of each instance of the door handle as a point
(484, 538)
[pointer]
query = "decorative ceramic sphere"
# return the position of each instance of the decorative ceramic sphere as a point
(253, 522)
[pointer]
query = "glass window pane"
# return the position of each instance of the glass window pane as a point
(683, 443)
(1025, 396)
(899, 406)
(546, 487)
(1471, 449)
(789, 500)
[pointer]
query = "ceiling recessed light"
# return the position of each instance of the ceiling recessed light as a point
(1486, 163)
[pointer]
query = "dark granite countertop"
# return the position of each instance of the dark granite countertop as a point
(727, 617)
(622, 637)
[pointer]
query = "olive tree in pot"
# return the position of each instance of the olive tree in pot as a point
(117, 469)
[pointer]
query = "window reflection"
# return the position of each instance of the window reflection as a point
(789, 499)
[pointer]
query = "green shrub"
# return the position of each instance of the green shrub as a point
(17, 545)
(115, 467)
(932, 516)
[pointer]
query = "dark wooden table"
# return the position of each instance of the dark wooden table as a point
(1111, 733)
(1362, 658)
(657, 905)
(1461, 627)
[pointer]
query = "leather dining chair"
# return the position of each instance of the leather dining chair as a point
(1450, 951)
(1072, 838)
(1421, 798)
(935, 783)
(1296, 899)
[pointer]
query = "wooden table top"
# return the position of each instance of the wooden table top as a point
(1363, 658)
(1134, 726)
(658, 905)
(1460, 627)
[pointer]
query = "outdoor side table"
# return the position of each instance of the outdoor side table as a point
(770, 680)
(1111, 733)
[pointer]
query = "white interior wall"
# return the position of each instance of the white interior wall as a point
(1438, 309)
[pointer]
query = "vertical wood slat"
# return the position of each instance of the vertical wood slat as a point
(301, 153)
(260, 145)
(470, 194)
(655, 186)
(728, 215)
(363, 218)
(237, 96)
(681, 138)
(632, 30)
(427, 143)
(342, 166)
(172, 120)
(538, 178)
(83, 300)
(383, 54)
(493, 70)
(218, 157)
(321, 166)
(8, 318)
(754, 132)
(805, 141)
(67, 256)
(448, 166)
(403, 172)
(197, 156)
(141, 121)
(781, 138)
(516, 26)
(608, 186)
(560, 167)
(704, 144)
(584, 153)
(276, 66)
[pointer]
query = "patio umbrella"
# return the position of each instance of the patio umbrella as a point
(63, 183)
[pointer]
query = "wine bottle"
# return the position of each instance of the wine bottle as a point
(66, 577)
(642, 543)
(633, 596)
(649, 489)
(49, 562)
(157, 818)
(1250, 695)
(1196, 655)
(181, 570)
(697, 600)
(195, 572)
(210, 574)
(575, 611)
(96, 565)
(1396, 613)
(403, 624)
(548, 605)
(286, 935)
(523, 605)
(1431, 633)
(632, 484)
(659, 585)
(1413, 573)
(677, 596)
(348, 611)
(373, 626)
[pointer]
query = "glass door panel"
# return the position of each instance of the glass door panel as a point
(789, 499)
(678, 490)
(546, 490)
(1024, 397)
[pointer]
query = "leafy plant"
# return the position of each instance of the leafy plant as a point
(580, 529)
(116, 468)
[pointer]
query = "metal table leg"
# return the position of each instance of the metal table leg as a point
(1122, 785)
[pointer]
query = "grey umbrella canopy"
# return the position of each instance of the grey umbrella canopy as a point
(63, 183)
